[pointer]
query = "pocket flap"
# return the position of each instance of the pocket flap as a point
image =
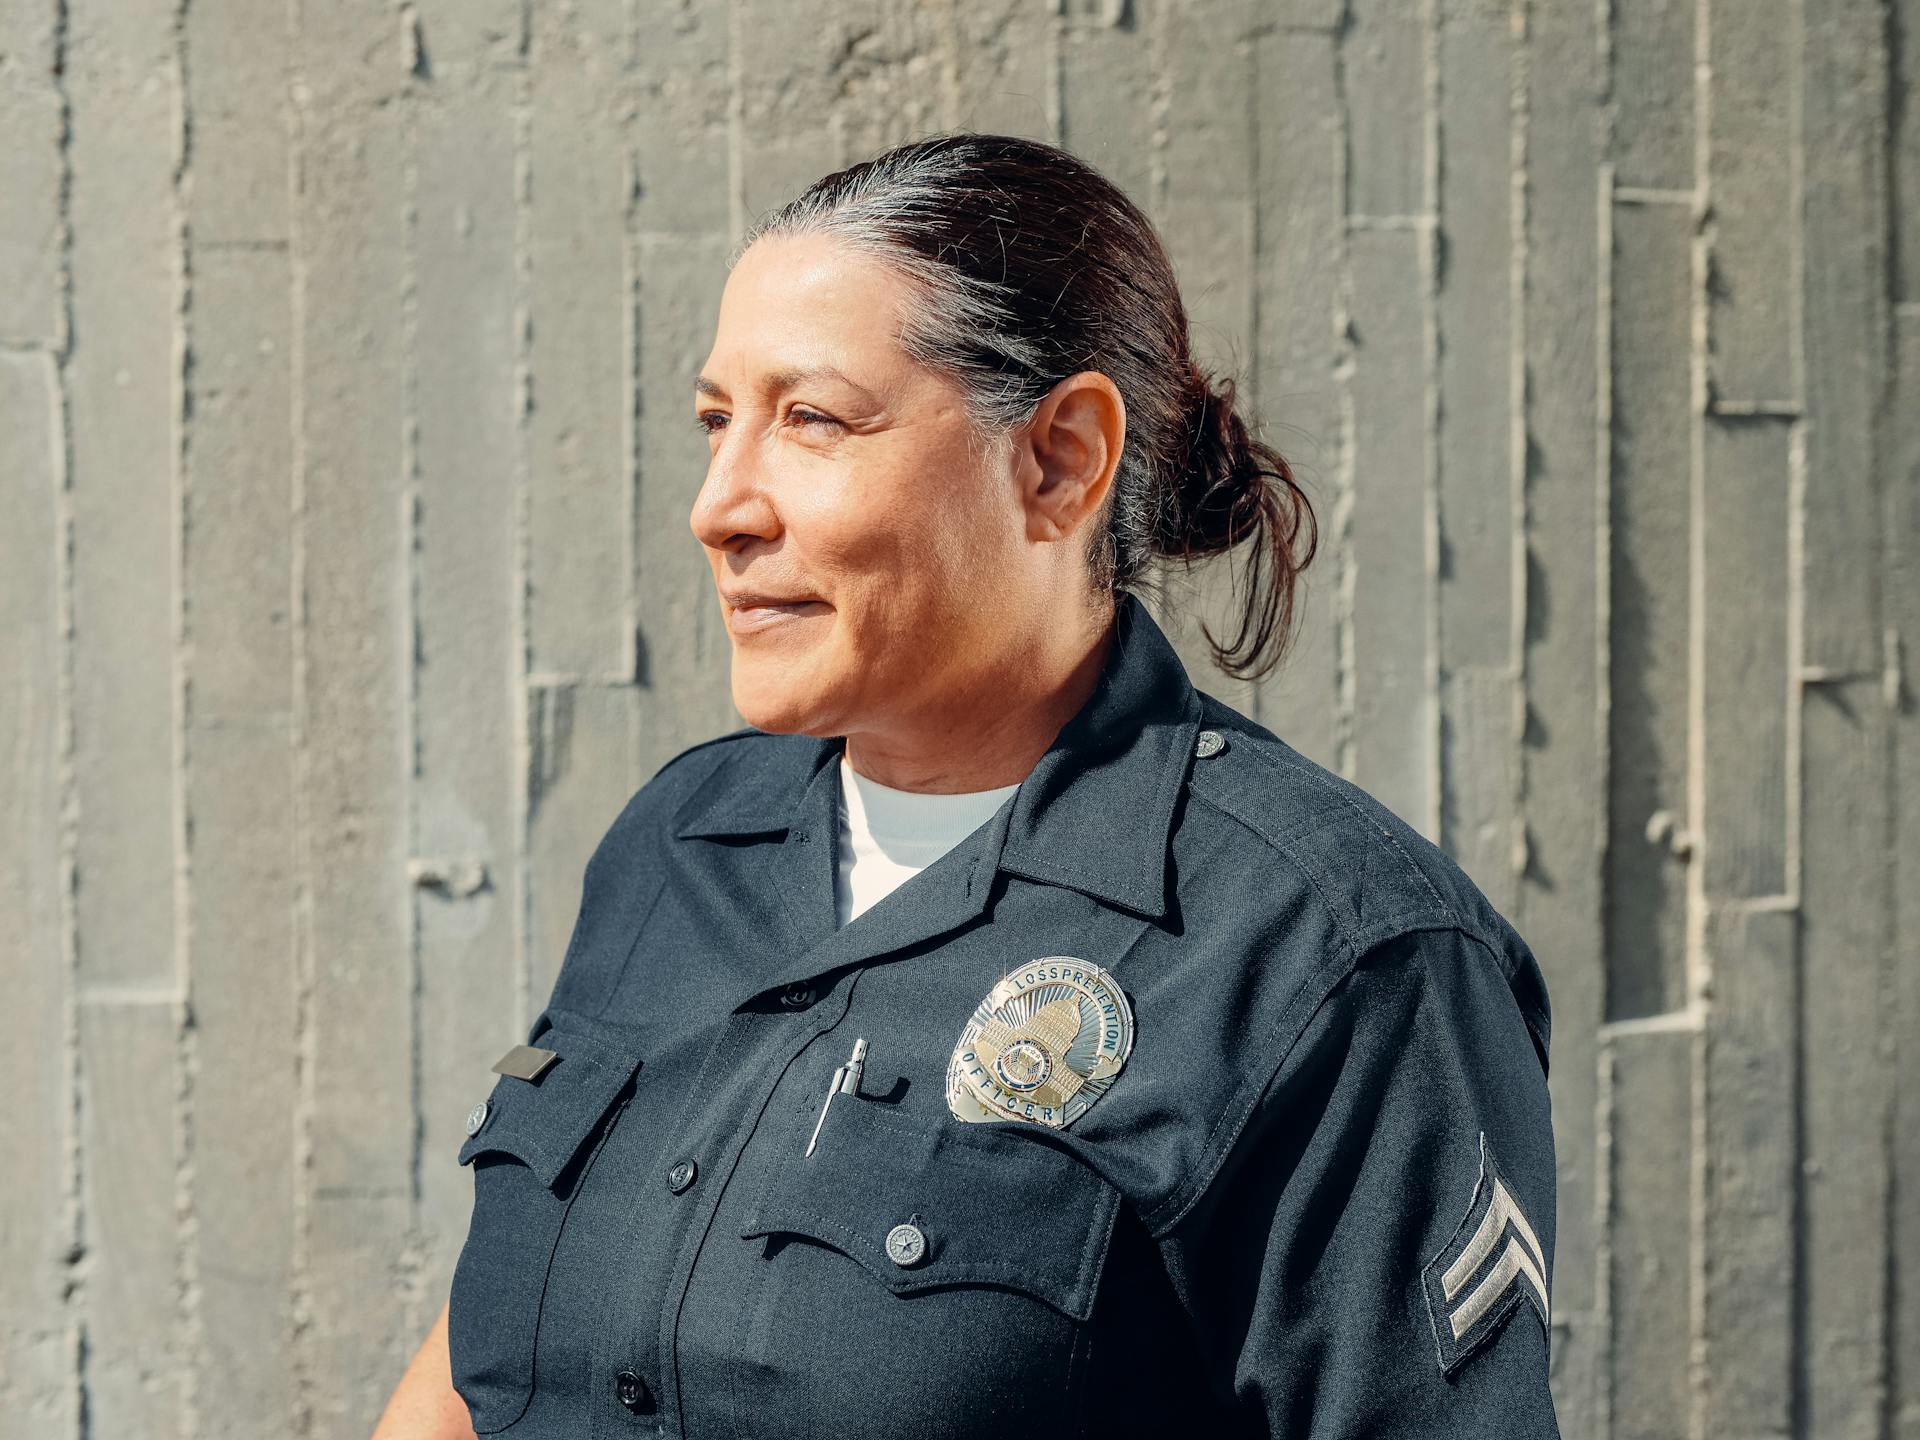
(1000, 1208)
(543, 1123)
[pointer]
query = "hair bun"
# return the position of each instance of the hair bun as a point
(1215, 499)
(1227, 488)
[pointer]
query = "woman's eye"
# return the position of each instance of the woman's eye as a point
(712, 421)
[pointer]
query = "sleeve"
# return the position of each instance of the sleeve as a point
(1374, 1258)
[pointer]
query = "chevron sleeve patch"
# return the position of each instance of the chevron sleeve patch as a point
(1493, 1265)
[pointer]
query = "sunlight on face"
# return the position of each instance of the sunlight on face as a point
(866, 559)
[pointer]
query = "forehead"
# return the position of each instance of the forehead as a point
(800, 301)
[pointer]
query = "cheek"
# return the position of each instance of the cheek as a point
(898, 518)
(845, 535)
(958, 521)
(906, 543)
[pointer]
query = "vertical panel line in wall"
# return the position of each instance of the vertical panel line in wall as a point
(1796, 1267)
(1159, 107)
(73, 1167)
(1428, 226)
(1796, 44)
(1900, 1392)
(944, 26)
(1796, 579)
(1602, 756)
(300, 1357)
(1253, 695)
(520, 620)
(1519, 411)
(1697, 1178)
(1254, 401)
(736, 130)
(192, 1334)
(414, 95)
(1701, 252)
(1794, 698)
(632, 298)
(1054, 102)
(1603, 1232)
(1697, 978)
(1345, 744)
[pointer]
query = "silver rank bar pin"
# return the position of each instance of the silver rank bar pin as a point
(846, 1081)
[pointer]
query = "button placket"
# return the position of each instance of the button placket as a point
(752, 1048)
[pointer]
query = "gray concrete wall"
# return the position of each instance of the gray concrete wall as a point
(345, 594)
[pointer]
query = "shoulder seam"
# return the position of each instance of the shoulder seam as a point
(1347, 800)
(1450, 916)
(1357, 941)
(1381, 929)
(1284, 853)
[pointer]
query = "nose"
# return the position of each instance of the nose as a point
(733, 507)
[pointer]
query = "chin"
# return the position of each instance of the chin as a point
(775, 699)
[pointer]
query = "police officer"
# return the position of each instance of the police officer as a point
(999, 1034)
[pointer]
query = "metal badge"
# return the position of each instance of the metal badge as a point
(1043, 1046)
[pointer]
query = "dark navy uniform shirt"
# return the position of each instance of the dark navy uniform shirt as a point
(1317, 1200)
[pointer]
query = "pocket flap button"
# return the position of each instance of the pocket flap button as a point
(476, 1117)
(906, 1245)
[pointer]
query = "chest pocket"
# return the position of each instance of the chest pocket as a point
(530, 1154)
(974, 1316)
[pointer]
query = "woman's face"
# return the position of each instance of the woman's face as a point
(871, 567)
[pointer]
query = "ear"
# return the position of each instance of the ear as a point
(1071, 450)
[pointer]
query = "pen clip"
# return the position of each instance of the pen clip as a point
(845, 1081)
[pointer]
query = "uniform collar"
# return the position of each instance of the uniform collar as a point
(1093, 815)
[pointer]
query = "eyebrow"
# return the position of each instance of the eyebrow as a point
(784, 379)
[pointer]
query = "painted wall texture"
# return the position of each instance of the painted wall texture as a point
(346, 594)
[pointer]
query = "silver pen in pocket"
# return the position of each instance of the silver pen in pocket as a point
(846, 1081)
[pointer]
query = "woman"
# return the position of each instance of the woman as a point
(1000, 1030)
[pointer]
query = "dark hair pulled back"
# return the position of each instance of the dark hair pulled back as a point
(1032, 266)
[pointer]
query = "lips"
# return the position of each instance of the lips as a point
(749, 611)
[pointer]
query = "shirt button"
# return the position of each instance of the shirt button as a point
(476, 1117)
(1209, 742)
(630, 1389)
(797, 997)
(681, 1176)
(906, 1245)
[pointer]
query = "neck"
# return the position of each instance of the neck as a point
(997, 738)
